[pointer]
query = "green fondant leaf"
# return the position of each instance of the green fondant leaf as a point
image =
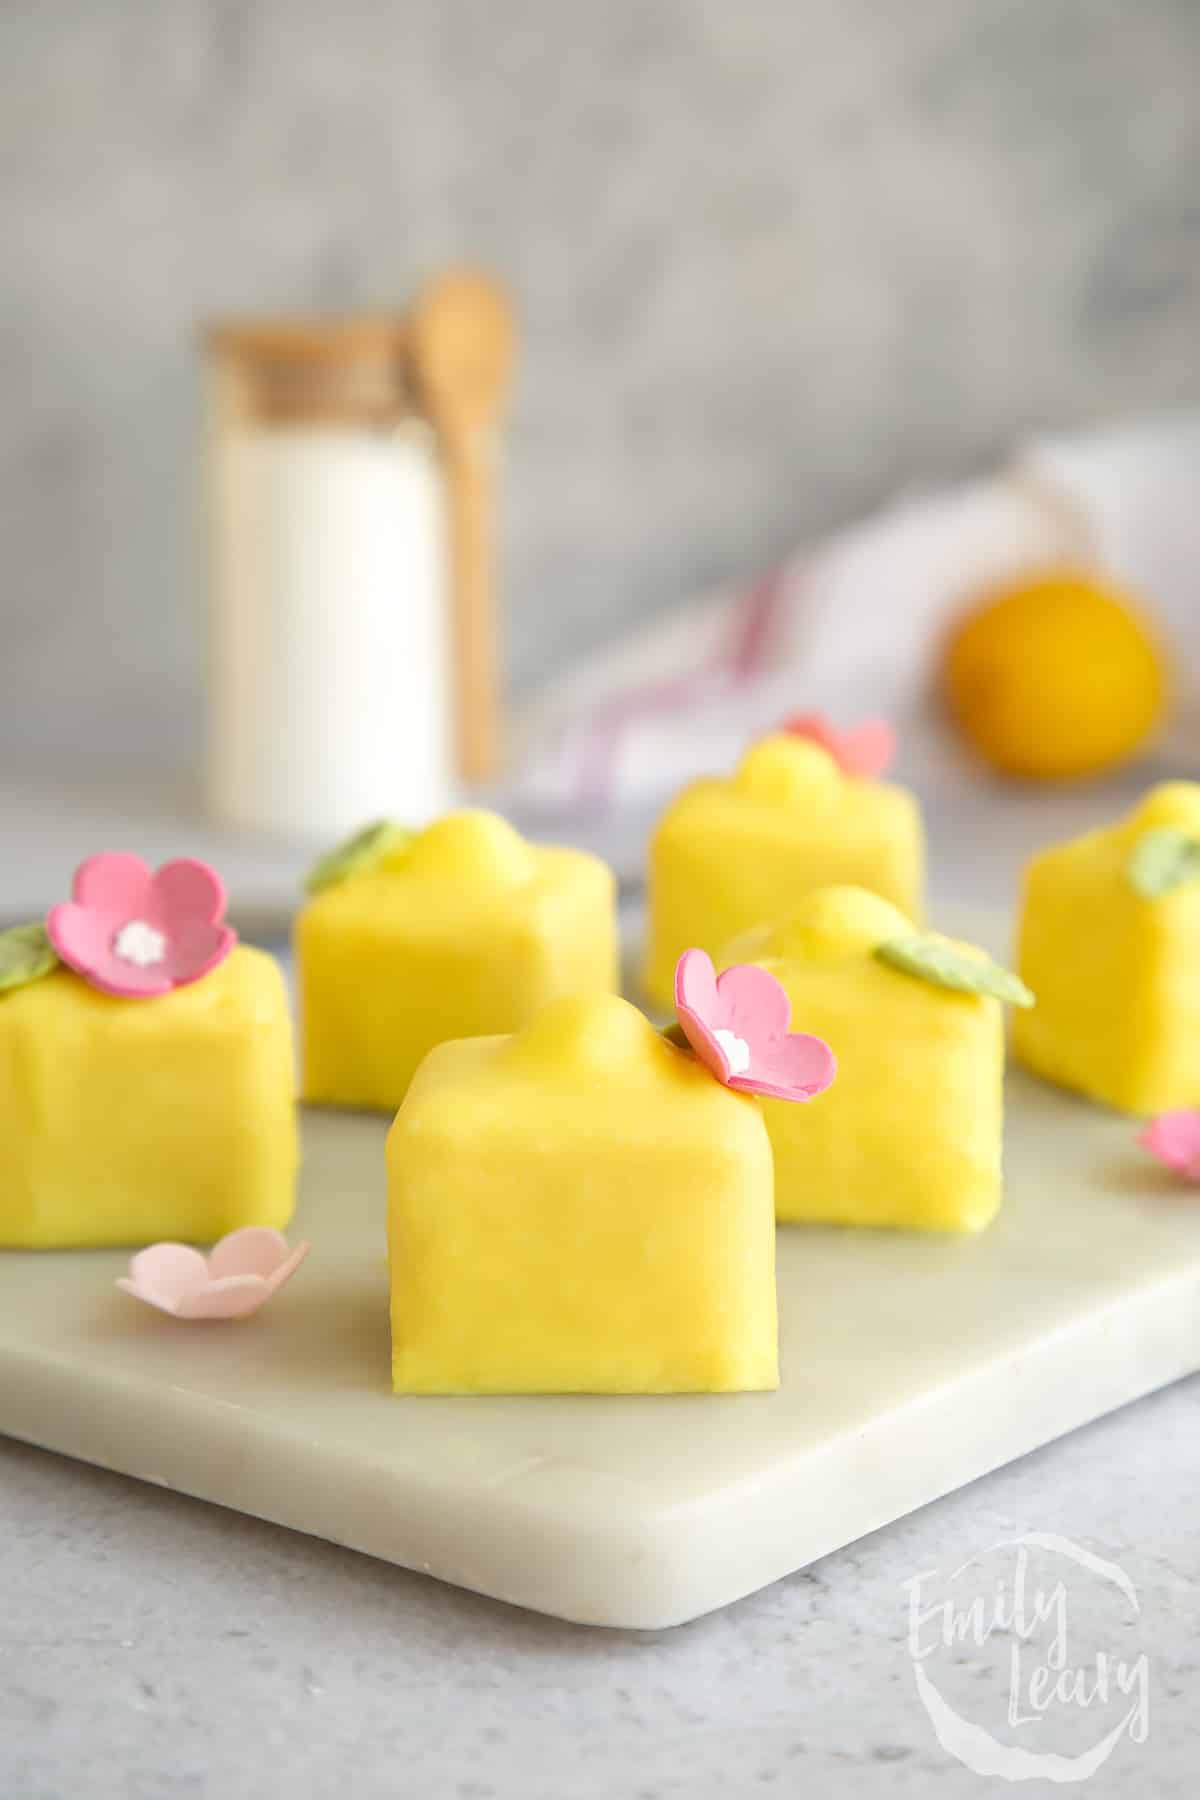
(1163, 860)
(937, 960)
(26, 954)
(357, 855)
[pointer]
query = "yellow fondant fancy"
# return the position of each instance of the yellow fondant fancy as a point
(467, 930)
(123, 1121)
(909, 1134)
(728, 854)
(579, 1208)
(1114, 958)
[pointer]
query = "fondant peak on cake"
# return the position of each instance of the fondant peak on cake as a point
(476, 847)
(473, 848)
(831, 924)
(790, 771)
(585, 1035)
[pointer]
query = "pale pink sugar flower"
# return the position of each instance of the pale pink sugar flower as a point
(863, 750)
(1174, 1138)
(137, 934)
(737, 1024)
(239, 1275)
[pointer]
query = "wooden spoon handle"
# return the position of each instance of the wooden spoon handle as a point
(470, 466)
(462, 345)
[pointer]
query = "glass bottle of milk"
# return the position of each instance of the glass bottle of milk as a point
(330, 680)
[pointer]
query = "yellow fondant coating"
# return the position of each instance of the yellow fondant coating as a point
(730, 854)
(909, 1134)
(580, 1208)
(469, 931)
(129, 1121)
(1117, 975)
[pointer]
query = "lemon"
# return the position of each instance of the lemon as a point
(1059, 676)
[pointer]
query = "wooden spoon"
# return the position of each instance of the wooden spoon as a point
(462, 342)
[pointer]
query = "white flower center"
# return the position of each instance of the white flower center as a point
(141, 944)
(737, 1051)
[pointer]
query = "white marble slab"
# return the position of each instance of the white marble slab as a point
(911, 1365)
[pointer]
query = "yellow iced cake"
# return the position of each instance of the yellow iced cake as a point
(457, 931)
(909, 1135)
(1110, 939)
(579, 1207)
(126, 1119)
(729, 854)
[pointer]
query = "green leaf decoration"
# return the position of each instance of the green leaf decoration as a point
(26, 954)
(937, 960)
(1164, 860)
(357, 855)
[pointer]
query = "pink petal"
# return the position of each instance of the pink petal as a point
(193, 948)
(696, 983)
(83, 939)
(240, 1288)
(869, 749)
(168, 1270)
(796, 1067)
(1174, 1138)
(252, 1250)
(114, 883)
(817, 728)
(697, 1007)
(287, 1269)
(751, 1003)
(864, 750)
(188, 892)
(147, 1295)
(236, 1297)
(188, 904)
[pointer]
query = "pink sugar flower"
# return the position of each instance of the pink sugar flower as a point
(865, 749)
(137, 934)
(1174, 1137)
(737, 1024)
(237, 1277)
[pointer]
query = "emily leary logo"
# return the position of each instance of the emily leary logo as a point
(1056, 1697)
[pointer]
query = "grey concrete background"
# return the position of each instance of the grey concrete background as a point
(773, 260)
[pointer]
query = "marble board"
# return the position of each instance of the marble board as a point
(911, 1365)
